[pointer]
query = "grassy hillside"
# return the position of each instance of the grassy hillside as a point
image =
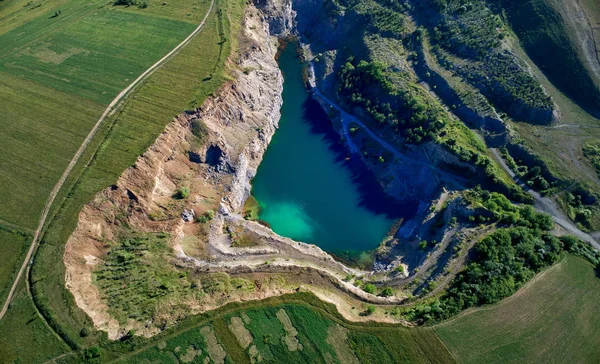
(545, 37)
(554, 319)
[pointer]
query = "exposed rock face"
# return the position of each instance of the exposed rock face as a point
(279, 16)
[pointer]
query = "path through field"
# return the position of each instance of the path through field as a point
(107, 112)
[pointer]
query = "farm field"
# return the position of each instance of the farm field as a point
(58, 74)
(293, 328)
(25, 336)
(554, 319)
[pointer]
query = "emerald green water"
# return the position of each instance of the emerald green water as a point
(306, 188)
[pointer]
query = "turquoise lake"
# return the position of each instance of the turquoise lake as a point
(305, 186)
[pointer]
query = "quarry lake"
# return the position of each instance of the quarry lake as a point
(308, 188)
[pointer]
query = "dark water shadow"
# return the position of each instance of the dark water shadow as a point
(372, 195)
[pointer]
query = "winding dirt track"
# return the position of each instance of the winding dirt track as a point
(546, 205)
(107, 112)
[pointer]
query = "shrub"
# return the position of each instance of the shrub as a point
(199, 130)
(183, 192)
(125, 2)
(370, 288)
(92, 353)
(205, 217)
(387, 292)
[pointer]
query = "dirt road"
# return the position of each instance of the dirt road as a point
(107, 112)
(546, 205)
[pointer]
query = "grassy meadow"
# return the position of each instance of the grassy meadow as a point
(24, 336)
(553, 319)
(13, 245)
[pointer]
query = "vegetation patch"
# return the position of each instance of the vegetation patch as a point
(190, 345)
(394, 101)
(467, 39)
(251, 209)
(369, 348)
(592, 152)
(337, 337)
(545, 37)
(241, 332)
(499, 264)
(136, 277)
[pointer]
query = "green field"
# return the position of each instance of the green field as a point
(554, 319)
(293, 328)
(13, 245)
(24, 337)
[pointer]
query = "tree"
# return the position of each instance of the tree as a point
(92, 353)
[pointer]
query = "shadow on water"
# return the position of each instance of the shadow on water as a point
(372, 195)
